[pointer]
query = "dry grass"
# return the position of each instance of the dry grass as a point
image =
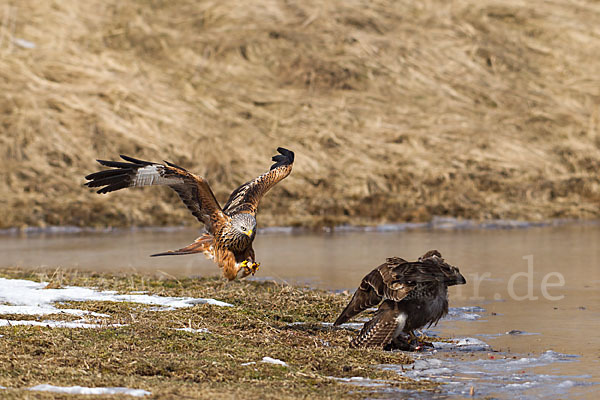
(397, 110)
(148, 353)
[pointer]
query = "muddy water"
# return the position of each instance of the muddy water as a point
(542, 282)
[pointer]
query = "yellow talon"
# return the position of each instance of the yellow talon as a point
(244, 264)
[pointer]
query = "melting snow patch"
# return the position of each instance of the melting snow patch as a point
(87, 390)
(57, 324)
(200, 330)
(361, 381)
(27, 297)
(275, 361)
(463, 344)
(43, 309)
(348, 325)
(464, 313)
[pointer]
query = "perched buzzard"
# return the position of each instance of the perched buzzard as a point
(230, 230)
(414, 294)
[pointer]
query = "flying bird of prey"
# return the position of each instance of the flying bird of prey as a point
(410, 295)
(230, 230)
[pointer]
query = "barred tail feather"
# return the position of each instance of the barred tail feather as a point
(203, 244)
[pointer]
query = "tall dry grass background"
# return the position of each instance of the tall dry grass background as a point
(397, 110)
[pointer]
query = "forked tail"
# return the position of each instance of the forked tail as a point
(201, 245)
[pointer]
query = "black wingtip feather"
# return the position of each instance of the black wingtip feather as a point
(340, 320)
(286, 157)
(174, 165)
(104, 174)
(113, 187)
(117, 178)
(135, 160)
(119, 164)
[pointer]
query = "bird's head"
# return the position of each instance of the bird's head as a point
(453, 275)
(244, 224)
(459, 279)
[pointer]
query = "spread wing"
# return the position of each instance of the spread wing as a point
(193, 190)
(246, 197)
(378, 285)
(365, 297)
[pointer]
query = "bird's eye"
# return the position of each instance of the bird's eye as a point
(243, 228)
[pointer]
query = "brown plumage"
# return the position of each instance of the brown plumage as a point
(410, 295)
(230, 230)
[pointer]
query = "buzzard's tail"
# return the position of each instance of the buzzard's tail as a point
(380, 331)
(204, 244)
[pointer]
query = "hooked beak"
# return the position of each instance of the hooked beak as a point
(249, 232)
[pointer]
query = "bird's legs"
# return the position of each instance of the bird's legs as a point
(412, 336)
(250, 267)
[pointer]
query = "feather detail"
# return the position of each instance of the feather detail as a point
(246, 197)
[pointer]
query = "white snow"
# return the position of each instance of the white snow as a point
(270, 360)
(87, 390)
(56, 324)
(44, 310)
(27, 297)
(464, 344)
(192, 330)
(348, 325)
(361, 381)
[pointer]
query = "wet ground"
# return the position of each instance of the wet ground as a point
(541, 284)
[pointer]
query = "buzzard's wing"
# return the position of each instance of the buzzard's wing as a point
(193, 190)
(378, 285)
(417, 272)
(393, 280)
(379, 331)
(246, 197)
(365, 297)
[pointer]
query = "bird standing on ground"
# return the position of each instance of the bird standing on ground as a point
(230, 230)
(412, 295)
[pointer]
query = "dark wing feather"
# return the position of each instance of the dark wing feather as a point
(192, 190)
(365, 297)
(246, 197)
(378, 285)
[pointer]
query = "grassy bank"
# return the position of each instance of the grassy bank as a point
(148, 353)
(397, 110)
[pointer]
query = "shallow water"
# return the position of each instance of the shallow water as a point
(506, 270)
